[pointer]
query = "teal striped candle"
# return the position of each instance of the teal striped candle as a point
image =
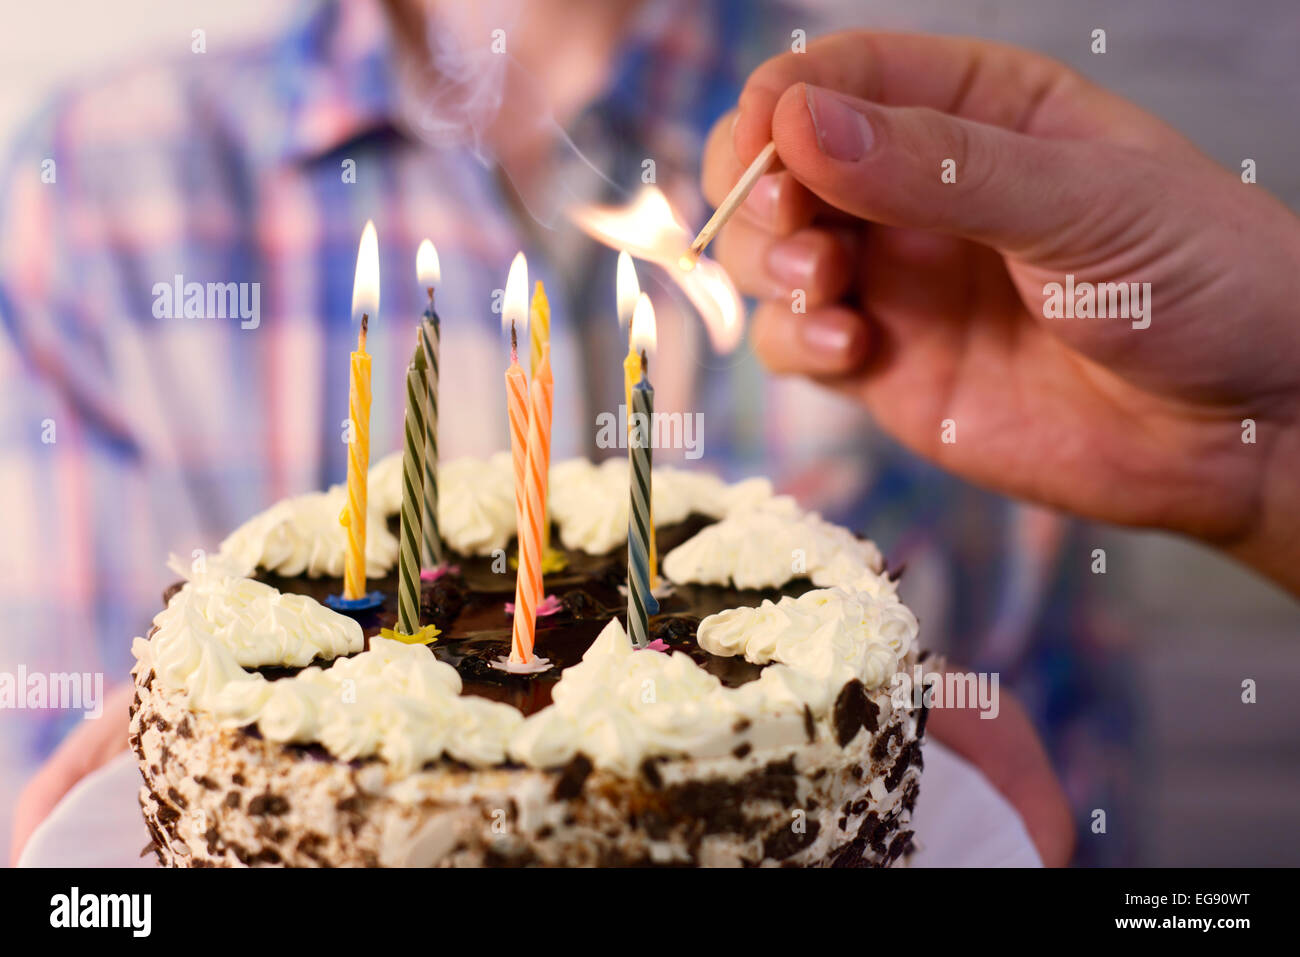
(641, 602)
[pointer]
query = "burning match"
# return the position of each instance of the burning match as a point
(728, 206)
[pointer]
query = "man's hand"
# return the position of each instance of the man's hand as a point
(925, 299)
(88, 748)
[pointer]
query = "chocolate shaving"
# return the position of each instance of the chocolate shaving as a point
(572, 778)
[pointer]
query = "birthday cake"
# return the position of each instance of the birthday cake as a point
(757, 729)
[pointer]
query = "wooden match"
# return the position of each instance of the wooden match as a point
(728, 206)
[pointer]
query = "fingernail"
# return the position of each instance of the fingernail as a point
(828, 339)
(791, 262)
(842, 132)
(760, 205)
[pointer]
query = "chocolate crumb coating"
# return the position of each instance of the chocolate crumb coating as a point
(227, 797)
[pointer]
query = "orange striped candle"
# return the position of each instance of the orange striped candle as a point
(532, 532)
(521, 646)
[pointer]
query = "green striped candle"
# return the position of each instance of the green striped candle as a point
(431, 536)
(408, 568)
(429, 272)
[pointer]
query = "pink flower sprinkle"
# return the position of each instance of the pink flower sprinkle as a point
(549, 606)
(657, 645)
(433, 574)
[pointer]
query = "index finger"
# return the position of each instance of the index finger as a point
(988, 82)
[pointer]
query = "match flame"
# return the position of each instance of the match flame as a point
(365, 286)
(427, 267)
(644, 335)
(647, 229)
(627, 287)
(515, 307)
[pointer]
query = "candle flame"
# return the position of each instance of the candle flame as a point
(628, 289)
(514, 308)
(365, 285)
(647, 229)
(427, 268)
(644, 336)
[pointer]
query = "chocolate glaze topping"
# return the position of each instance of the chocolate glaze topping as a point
(469, 609)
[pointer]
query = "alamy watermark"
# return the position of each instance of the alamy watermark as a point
(946, 689)
(63, 691)
(667, 430)
(1103, 300)
(75, 909)
(179, 299)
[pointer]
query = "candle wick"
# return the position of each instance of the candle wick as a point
(430, 295)
(645, 366)
(514, 341)
(365, 327)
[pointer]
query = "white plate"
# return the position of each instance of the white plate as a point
(960, 821)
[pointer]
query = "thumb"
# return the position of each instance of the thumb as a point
(887, 164)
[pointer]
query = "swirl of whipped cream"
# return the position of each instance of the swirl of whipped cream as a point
(302, 536)
(476, 513)
(394, 700)
(476, 504)
(793, 543)
(383, 485)
(476, 499)
(253, 622)
(829, 636)
(217, 626)
(618, 705)
(590, 502)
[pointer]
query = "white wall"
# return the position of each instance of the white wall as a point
(55, 41)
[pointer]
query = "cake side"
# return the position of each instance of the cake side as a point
(217, 797)
(377, 757)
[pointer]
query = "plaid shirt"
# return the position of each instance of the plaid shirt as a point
(124, 437)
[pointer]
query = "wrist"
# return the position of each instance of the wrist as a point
(1271, 542)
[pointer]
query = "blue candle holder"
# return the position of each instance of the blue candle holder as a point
(355, 606)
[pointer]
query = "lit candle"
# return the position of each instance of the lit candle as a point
(532, 533)
(628, 290)
(365, 303)
(540, 319)
(641, 602)
(429, 273)
(514, 314)
(539, 327)
(628, 294)
(408, 565)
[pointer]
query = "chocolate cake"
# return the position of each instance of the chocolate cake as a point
(758, 728)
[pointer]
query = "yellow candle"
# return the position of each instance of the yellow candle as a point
(539, 333)
(365, 300)
(627, 291)
(631, 375)
(354, 570)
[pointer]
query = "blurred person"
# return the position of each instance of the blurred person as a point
(233, 167)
